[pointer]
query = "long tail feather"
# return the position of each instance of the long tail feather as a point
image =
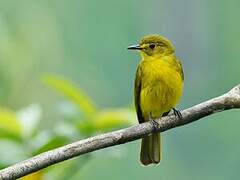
(151, 149)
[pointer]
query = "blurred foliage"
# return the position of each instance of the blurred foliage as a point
(72, 93)
(10, 128)
(92, 120)
(34, 176)
(85, 41)
(20, 128)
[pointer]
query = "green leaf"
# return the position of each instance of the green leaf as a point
(106, 120)
(86, 127)
(34, 176)
(110, 119)
(71, 92)
(53, 142)
(10, 128)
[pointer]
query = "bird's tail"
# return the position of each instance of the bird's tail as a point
(151, 149)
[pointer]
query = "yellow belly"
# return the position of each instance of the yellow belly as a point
(161, 89)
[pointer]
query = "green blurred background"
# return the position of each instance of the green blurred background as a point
(51, 49)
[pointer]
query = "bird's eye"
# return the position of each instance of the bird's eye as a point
(152, 46)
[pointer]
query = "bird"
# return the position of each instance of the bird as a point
(158, 88)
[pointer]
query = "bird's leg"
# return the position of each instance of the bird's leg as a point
(177, 113)
(153, 123)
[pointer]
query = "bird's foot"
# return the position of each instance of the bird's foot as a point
(177, 113)
(154, 124)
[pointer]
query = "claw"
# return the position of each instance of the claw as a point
(177, 113)
(153, 123)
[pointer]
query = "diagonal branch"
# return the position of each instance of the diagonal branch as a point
(227, 101)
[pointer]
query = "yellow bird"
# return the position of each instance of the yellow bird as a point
(158, 88)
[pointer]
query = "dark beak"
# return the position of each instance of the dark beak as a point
(134, 47)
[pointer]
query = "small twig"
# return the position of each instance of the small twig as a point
(227, 101)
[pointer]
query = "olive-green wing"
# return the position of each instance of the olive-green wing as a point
(179, 68)
(137, 91)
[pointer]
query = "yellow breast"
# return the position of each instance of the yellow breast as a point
(161, 87)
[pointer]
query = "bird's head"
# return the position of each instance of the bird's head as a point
(153, 45)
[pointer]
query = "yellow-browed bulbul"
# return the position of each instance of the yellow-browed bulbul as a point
(158, 88)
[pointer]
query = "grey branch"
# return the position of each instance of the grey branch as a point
(227, 101)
